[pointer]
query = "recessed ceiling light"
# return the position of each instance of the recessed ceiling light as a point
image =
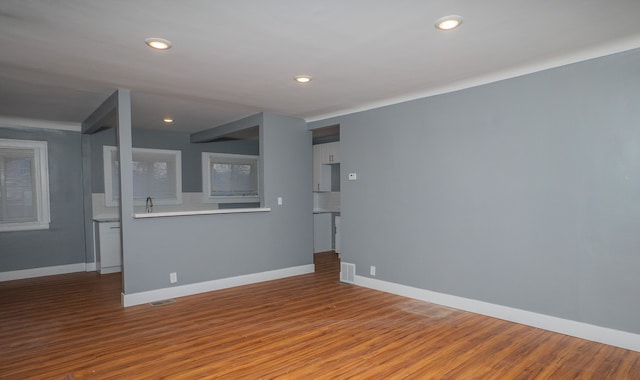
(302, 78)
(158, 43)
(168, 120)
(448, 22)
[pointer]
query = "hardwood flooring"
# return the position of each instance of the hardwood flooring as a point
(304, 327)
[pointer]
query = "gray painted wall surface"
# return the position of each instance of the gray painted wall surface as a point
(524, 192)
(191, 153)
(208, 247)
(63, 242)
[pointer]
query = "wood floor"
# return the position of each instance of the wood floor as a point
(305, 327)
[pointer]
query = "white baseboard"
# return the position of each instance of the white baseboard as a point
(91, 267)
(133, 299)
(46, 271)
(582, 330)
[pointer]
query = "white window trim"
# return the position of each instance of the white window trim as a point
(41, 163)
(108, 180)
(206, 180)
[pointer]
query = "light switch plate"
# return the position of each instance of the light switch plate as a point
(279, 201)
(352, 176)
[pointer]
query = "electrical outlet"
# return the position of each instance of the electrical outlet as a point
(372, 270)
(173, 277)
(353, 176)
(279, 201)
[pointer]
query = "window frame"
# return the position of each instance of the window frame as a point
(40, 187)
(206, 178)
(110, 201)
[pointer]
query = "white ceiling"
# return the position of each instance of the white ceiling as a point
(232, 58)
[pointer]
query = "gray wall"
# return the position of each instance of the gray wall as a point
(208, 247)
(191, 153)
(63, 242)
(524, 192)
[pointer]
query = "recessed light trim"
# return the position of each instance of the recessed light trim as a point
(302, 79)
(448, 22)
(168, 120)
(158, 43)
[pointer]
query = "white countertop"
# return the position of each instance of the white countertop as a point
(104, 218)
(199, 212)
(319, 211)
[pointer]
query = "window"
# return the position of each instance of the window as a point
(24, 185)
(230, 178)
(156, 173)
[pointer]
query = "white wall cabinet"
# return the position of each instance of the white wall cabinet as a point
(324, 155)
(330, 153)
(322, 233)
(108, 249)
(321, 173)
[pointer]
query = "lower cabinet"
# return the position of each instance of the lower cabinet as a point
(108, 248)
(322, 233)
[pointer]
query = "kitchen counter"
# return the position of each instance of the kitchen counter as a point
(326, 211)
(106, 218)
(201, 212)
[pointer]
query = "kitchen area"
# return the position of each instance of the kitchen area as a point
(106, 222)
(326, 189)
(168, 179)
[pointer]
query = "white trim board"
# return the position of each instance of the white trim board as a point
(595, 52)
(46, 271)
(582, 330)
(133, 299)
(37, 123)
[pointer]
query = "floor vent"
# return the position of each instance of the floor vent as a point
(347, 272)
(163, 302)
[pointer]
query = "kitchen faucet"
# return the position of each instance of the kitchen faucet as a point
(149, 205)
